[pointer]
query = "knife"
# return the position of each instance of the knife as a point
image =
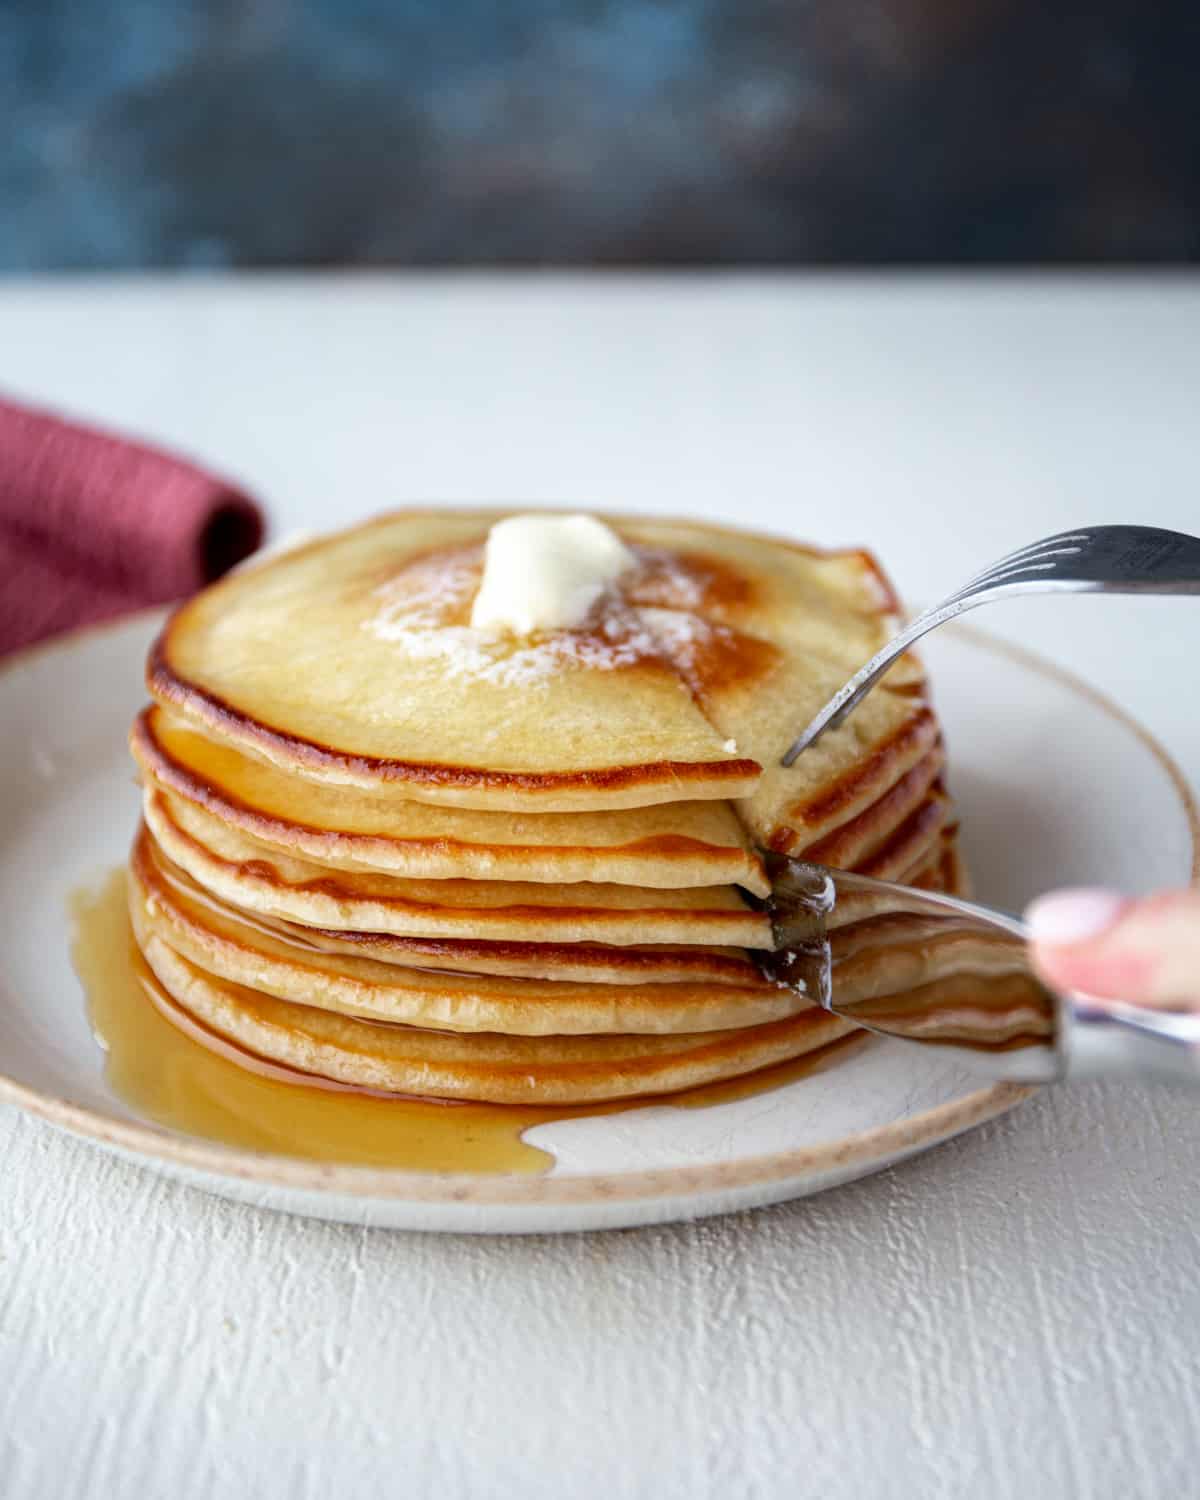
(938, 972)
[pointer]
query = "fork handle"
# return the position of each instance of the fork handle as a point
(1105, 1038)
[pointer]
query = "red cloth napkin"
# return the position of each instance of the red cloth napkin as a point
(92, 525)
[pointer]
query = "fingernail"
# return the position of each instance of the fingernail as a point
(1072, 916)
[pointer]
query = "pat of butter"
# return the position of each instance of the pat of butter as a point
(546, 572)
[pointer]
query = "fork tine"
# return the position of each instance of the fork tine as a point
(1051, 547)
(1024, 552)
(1008, 558)
(1059, 538)
(1009, 575)
(1035, 561)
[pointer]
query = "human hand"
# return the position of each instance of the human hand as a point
(1145, 952)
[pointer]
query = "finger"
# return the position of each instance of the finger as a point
(1103, 944)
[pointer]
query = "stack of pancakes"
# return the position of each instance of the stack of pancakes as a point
(386, 851)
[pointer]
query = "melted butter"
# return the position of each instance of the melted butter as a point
(166, 1076)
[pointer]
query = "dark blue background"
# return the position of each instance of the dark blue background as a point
(211, 133)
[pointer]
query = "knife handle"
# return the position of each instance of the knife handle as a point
(1103, 1038)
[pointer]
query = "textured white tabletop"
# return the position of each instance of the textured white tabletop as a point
(1012, 1315)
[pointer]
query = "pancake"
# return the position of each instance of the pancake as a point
(953, 874)
(594, 963)
(350, 660)
(920, 835)
(672, 845)
(250, 876)
(165, 904)
(941, 870)
(483, 1065)
(856, 841)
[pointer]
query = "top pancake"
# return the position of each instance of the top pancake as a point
(350, 661)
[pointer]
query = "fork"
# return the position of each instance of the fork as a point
(1091, 560)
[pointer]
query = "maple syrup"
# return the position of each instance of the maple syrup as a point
(170, 1078)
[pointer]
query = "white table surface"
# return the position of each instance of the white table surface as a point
(1014, 1314)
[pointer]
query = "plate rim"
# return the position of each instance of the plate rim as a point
(882, 1143)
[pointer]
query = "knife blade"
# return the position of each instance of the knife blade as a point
(928, 969)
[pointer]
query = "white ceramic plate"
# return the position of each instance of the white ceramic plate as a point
(1055, 786)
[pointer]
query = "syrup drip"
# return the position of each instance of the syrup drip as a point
(168, 1077)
